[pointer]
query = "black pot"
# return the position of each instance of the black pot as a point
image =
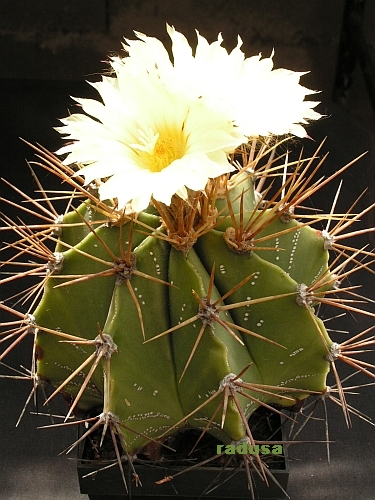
(206, 481)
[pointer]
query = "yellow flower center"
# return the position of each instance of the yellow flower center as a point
(164, 153)
(157, 151)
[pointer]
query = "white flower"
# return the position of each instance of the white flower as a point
(147, 141)
(163, 127)
(260, 100)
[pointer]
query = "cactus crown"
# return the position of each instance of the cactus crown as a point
(197, 307)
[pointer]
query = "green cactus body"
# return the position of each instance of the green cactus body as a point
(159, 385)
(217, 355)
(75, 228)
(299, 253)
(241, 193)
(73, 309)
(144, 391)
(300, 363)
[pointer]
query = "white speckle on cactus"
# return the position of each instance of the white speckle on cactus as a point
(144, 416)
(293, 379)
(222, 269)
(295, 243)
(155, 392)
(150, 431)
(79, 348)
(296, 351)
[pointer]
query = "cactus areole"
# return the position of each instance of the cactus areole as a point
(180, 291)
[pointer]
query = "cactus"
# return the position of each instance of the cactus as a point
(191, 314)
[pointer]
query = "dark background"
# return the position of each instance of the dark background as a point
(47, 51)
